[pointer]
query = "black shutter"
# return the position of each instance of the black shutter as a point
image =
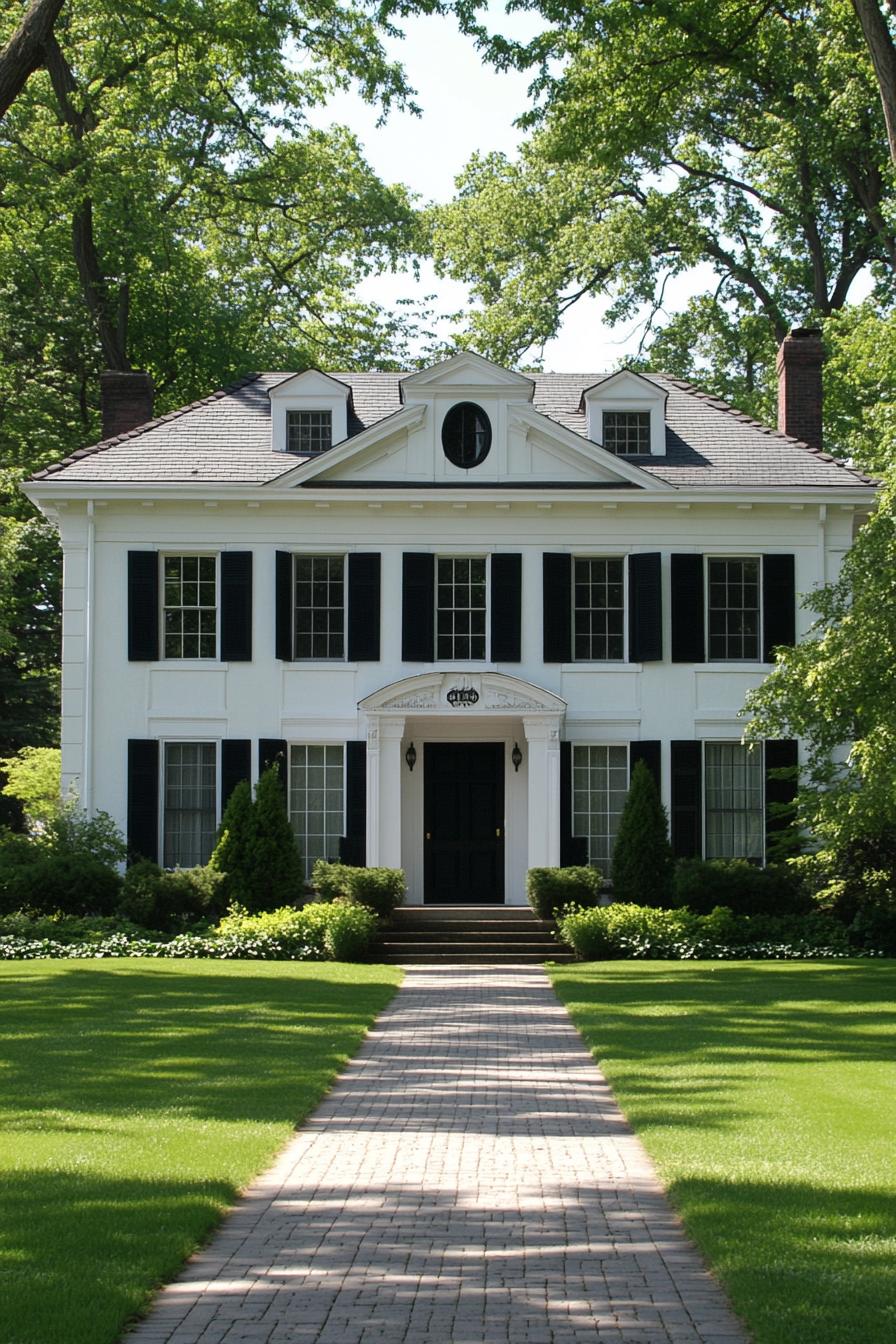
(687, 799)
(353, 845)
(272, 751)
(573, 848)
(283, 603)
(143, 606)
(143, 799)
(649, 753)
(418, 607)
(364, 607)
(645, 612)
(506, 605)
(688, 639)
(557, 605)
(236, 606)
(782, 754)
(236, 765)
(778, 603)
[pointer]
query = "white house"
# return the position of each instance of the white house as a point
(457, 605)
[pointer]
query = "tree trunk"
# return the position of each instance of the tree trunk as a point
(880, 43)
(24, 52)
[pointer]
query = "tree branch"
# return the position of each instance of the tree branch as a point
(879, 41)
(24, 52)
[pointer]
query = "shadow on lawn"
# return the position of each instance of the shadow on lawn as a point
(78, 1253)
(819, 1267)
(216, 1045)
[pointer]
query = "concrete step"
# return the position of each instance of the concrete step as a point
(464, 958)
(464, 913)
(545, 947)
(476, 933)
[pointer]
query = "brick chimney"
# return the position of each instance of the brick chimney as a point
(126, 400)
(800, 358)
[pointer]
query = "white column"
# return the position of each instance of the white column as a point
(386, 767)
(373, 793)
(543, 766)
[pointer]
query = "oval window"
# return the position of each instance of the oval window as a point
(466, 435)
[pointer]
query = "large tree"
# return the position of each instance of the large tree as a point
(165, 203)
(741, 134)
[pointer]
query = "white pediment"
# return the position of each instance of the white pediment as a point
(461, 695)
(465, 370)
(627, 391)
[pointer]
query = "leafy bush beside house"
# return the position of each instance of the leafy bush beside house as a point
(548, 890)
(380, 889)
(745, 888)
(171, 900)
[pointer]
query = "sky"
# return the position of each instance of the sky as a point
(468, 107)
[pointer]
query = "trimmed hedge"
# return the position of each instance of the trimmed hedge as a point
(548, 890)
(320, 932)
(745, 888)
(170, 900)
(639, 932)
(380, 889)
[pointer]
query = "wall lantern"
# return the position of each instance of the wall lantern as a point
(516, 756)
(411, 756)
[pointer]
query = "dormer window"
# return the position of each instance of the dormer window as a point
(627, 433)
(308, 432)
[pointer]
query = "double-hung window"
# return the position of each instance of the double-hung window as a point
(190, 606)
(189, 810)
(599, 788)
(733, 801)
(308, 432)
(461, 607)
(598, 609)
(319, 607)
(734, 588)
(317, 799)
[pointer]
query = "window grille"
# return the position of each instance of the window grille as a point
(733, 609)
(460, 607)
(317, 800)
(626, 433)
(599, 788)
(319, 606)
(190, 615)
(598, 609)
(308, 432)
(733, 782)
(190, 812)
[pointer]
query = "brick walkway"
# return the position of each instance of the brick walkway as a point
(469, 1180)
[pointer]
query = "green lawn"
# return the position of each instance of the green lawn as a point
(766, 1093)
(136, 1099)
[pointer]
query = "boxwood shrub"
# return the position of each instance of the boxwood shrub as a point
(745, 888)
(550, 889)
(624, 931)
(380, 889)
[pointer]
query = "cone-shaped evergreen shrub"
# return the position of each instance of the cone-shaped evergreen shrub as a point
(233, 852)
(642, 857)
(277, 877)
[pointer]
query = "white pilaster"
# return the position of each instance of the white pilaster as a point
(384, 792)
(543, 739)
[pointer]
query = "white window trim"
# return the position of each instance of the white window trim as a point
(312, 742)
(727, 742)
(307, 410)
(188, 739)
(171, 554)
(576, 663)
(731, 663)
(454, 662)
(602, 742)
(321, 662)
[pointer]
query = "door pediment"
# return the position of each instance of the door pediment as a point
(462, 695)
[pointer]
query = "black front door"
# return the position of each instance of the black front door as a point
(463, 818)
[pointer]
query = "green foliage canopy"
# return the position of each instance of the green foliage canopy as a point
(745, 136)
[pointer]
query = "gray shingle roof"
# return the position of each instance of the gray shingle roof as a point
(226, 438)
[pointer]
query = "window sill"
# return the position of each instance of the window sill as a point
(321, 664)
(189, 665)
(584, 666)
(736, 665)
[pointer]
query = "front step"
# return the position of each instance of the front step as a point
(471, 934)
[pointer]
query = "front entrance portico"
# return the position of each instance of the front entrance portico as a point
(463, 707)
